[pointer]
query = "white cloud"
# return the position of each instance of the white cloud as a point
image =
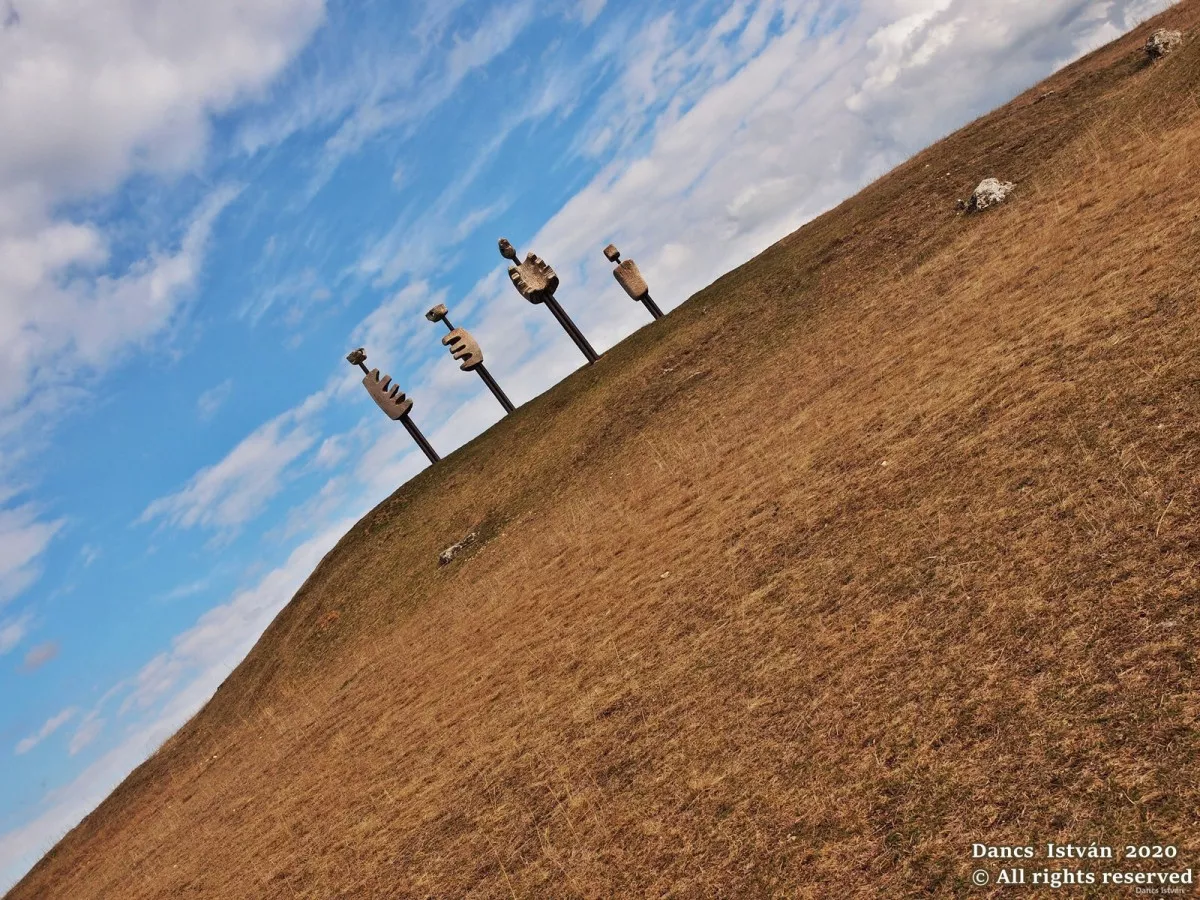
(23, 539)
(58, 317)
(391, 323)
(183, 591)
(211, 401)
(87, 732)
(334, 85)
(589, 10)
(230, 493)
(92, 724)
(407, 101)
(13, 631)
(88, 96)
(332, 451)
(377, 89)
(89, 93)
(336, 495)
(299, 291)
(51, 725)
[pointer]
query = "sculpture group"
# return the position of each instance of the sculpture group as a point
(534, 280)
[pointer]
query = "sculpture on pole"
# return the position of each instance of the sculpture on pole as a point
(393, 402)
(630, 277)
(465, 349)
(537, 282)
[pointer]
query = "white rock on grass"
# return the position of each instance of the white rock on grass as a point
(1163, 42)
(990, 192)
(447, 556)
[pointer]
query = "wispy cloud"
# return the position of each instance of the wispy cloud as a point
(78, 123)
(211, 401)
(183, 591)
(13, 631)
(89, 729)
(408, 101)
(48, 728)
(83, 321)
(24, 537)
(226, 495)
(40, 655)
(589, 10)
(332, 451)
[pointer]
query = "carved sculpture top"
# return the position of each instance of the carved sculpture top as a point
(392, 402)
(534, 278)
(627, 274)
(356, 357)
(437, 313)
(464, 348)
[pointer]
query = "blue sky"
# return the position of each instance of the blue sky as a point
(203, 209)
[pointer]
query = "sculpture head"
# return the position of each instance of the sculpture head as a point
(392, 401)
(356, 357)
(507, 250)
(534, 278)
(437, 313)
(612, 254)
(630, 278)
(464, 348)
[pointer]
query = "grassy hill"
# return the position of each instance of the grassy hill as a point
(884, 544)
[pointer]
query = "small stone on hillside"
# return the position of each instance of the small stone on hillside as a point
(1163, 42)
(447, 556)
(990, 192)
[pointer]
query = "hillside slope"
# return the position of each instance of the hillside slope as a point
(883, 544)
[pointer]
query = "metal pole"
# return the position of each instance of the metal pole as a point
(571, 329)
(652, 306)
(491, 382)
(495, 388)
(415, 432)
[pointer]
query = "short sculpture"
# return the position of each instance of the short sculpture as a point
(630, 277)
(537, 282)
(465, 349)
(393, 402)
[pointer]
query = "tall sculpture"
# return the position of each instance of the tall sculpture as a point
(630, 277)
(465, 349)
(537, 282)
(393, 402)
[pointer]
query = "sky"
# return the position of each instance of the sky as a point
(205, 204)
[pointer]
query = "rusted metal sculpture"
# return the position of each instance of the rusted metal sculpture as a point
(465, 349)
(537, 282)
(391, 400)
(630, 277)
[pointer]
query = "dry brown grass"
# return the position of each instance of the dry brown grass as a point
(799, 616)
